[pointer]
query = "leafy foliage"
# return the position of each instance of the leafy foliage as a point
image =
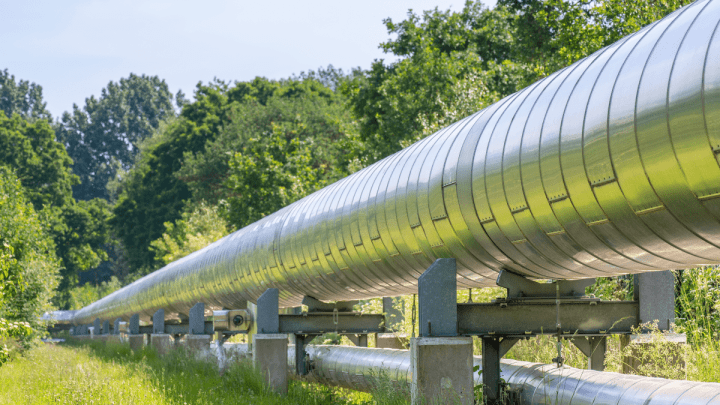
(79, 229)
(41, 163)
(188, 161)
(553, 34)
(151, 194)
(193, 231)
(28, 265)
(88, 293)
(22, 98)
(451, 64)
(102, 138)
(268, 174)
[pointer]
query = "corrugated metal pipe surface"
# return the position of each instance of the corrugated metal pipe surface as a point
(606, 167)
(537, 384)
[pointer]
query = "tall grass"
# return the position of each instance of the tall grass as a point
(112, 373)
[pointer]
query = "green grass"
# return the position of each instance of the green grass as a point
(96, 374)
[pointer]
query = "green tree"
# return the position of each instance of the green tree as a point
(41, 163)
(43, 168)
(312, 118)
(154, 192)
(270, 173)
(192, 232)
(451, 64)
(22, 98)
(151, 194)
(102, 137)
(28, 265)
(552, 34)
(86, 294)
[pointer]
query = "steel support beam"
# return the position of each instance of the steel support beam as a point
(437, 295)
(323, 322)
(518, 318)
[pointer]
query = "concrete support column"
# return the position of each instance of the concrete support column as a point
(441, 362)
(161, 342)
(136, 342)
(442, 370)
(269, 346)
(271, 358)
(198, 345)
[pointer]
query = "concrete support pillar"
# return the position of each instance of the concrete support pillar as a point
(161, 342)
(390, 341)
(639, 353)
(113, 339)
(269, 346)
(136, 342)
(198, 345)
(441, 362)
(271, 358)
(442, 370)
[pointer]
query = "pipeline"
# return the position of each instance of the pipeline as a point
(359, 368)
(609, 166)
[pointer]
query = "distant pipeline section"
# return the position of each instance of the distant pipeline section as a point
(609, 166)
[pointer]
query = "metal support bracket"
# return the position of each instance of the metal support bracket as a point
(594, 347)
(655, 292)
(268, 317)
(197, 319)
(158, 325)
(134, 327)
(437, 295)
(301, 363)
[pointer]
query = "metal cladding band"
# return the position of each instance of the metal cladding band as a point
(358, 368)
(609, 166)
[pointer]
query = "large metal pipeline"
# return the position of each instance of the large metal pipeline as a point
(360, 368)
(609, 166)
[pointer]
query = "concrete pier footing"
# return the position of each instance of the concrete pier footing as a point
(390, 341)
(271, 358)
(198, 345)
(136, 342)
(161, 342)
(442, 370)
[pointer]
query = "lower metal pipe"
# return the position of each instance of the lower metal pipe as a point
(359, 368)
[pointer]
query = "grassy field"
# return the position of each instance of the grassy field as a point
(95, 374)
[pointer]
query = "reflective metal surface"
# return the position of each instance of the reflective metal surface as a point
(609, 166)
(58, 317)
(358, 368)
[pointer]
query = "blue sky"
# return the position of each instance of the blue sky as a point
(74, 48)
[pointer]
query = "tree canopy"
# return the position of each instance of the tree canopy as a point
(22, 98)
(102, 137)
